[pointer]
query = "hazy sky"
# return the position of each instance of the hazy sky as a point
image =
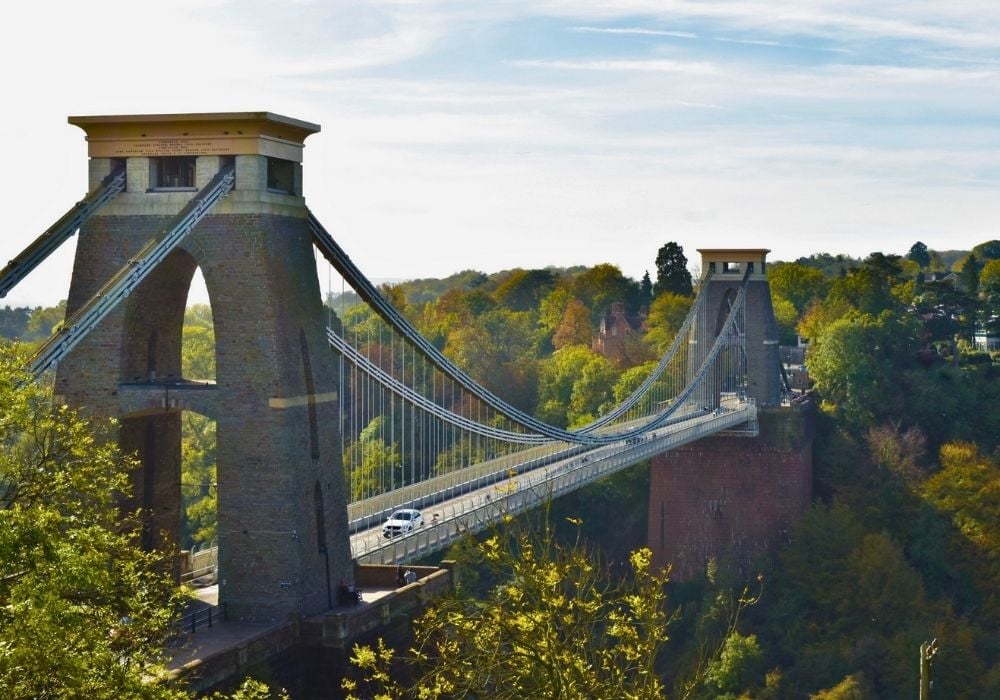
(489, 135)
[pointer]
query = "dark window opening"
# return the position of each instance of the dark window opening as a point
(281, 175)
(172, 172)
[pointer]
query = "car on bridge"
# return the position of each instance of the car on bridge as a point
(402, 521)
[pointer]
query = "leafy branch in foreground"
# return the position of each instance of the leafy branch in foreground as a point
(555, 625)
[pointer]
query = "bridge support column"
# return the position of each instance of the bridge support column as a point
(282, 509)
(731, 498)
(726, 270)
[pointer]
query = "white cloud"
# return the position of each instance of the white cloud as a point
(625, 65)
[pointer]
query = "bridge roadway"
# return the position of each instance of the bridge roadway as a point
(453, 510)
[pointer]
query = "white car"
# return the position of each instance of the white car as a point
(402, 521)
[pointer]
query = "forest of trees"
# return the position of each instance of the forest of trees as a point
(902, 544)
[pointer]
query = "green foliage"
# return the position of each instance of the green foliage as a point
(799, 284)
(967, 491)
(524, 290)
(737, 667)
(373, 462)
(573, 385)
(853, 687)
(787, 319)
(853, 363)
(600, 286)
(83, 612)
(13, 322)
(672, 274)
(553, 627)
(198, 469)
(918, 253)
(666, 316)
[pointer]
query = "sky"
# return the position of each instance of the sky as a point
(488, 135)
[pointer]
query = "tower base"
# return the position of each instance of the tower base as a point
(730, 497)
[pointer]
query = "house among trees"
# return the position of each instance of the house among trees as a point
(946, 276)
(986, 341)
(615, 328)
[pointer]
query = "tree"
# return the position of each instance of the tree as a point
(970, 274)
(198, 470)
(523, 290)
(853, 687)
(43, 320)
(553, 627)
(989, 288)
(853, 363)
(919, 254)
(575, 328)
(672, 274)
(83, 611)
(645, 289)
(573, 384)
(967, 491)
(798, 283)
(666, 316)
(601, 286)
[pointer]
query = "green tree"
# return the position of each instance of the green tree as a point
(918, 254)
(853, 365)
(666, 316)
(989, 289)
(553, 627)
(372, 462)
(853, 687)
(672, 274)
(798, 283)
(524, 290)
(967, 491)
(553, 308)
(971, 267)
(43, 321)
(198, 466)
(645, 289)
(83, 611)
(499, 349)
(600, 286)
(739, 666)
(573, 384)
(787, 319)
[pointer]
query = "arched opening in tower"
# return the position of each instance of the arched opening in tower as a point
(198, 471)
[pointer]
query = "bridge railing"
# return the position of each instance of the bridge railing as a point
(474, 513)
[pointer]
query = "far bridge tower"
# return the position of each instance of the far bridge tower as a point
(734, 496)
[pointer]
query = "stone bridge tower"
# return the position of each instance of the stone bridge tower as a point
(734, 496)
(724, 271)
(282, 529)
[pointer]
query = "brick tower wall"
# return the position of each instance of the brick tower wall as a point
(282, 517)
(731, 498)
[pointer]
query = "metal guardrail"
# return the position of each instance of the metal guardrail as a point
(203, 617)
(519, 493)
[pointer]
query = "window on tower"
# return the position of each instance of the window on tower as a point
(172, 173)
(281, 175)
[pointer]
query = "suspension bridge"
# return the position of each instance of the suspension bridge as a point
(323, 432)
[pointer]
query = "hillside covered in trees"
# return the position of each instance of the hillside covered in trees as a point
(902, 544)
